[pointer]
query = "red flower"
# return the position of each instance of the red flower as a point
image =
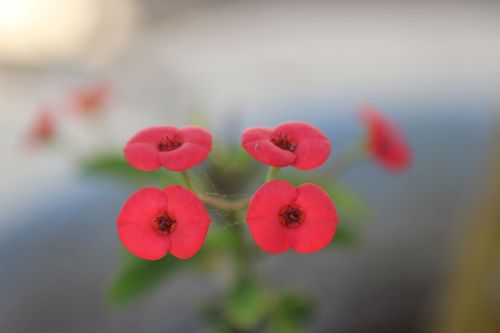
(282, 216)
(385, 141)
(298, 144)
(90, 99)
(154, 222)
(44, 127)
(172, 148)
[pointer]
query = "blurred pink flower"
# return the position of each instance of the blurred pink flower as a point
(43, 128)
(91, 98)
(386, 142)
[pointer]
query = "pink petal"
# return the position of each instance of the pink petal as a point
(299, 131)
(257, 142)
(256, 134)
(311, 153)
(142, 156)
(196, 134)
(192, 221)
(153, 135)
(184, 157)
(268, 153)
(263, 215)
(268, 234)
(313, 147)
(320, 221)
(143, 241)
(134, 224)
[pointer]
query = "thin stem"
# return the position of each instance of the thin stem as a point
(272, 173)
(213, 201)
(222, 204)
(187, 179)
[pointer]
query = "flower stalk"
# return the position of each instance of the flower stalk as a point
(272, 173)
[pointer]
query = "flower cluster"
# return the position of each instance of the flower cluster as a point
(84, 100)
(154, 222)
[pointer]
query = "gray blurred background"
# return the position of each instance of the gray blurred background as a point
(431, 66)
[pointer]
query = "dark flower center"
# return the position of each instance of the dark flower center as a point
(165, 223)
(168, 143)
(284, 142)
(291, 216)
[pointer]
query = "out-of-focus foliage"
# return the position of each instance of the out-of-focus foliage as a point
(247, 306)
(113, 164)
(247, 303)
(139, 276)
(291, 312)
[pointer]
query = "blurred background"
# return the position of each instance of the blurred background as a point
(428, 259)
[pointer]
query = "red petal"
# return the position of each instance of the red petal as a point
(320, 221)
(257, 142)
(256, 134)
(184, 157)
(192, 221)
(135, 228)
(313, 147)
(299, 131)
(196, 134)
(311, 153)
(263, 215)
(142, 156)
(153, 135)
(141, 150)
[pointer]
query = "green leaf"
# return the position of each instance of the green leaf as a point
(349, 204)
(140, 276)
(247, 304)
(137, 277)
(292, 311)
(345, 236)
(114, 164)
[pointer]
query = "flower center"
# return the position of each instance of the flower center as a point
(165, 223)
(284, 142)
(168, 143)
(291, 216)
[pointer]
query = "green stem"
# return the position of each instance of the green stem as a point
(187, 179)
(222, 204)
(272, 173)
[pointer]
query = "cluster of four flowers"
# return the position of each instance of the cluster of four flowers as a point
(154, 222)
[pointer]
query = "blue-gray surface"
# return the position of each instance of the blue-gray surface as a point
(56, 263)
